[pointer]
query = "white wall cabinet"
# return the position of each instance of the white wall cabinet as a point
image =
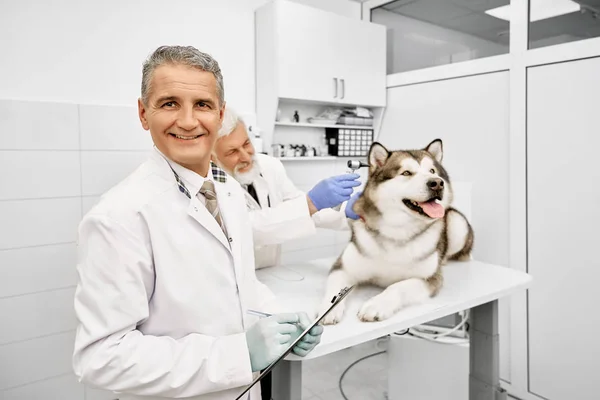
(317, 55)
(308, 59)
(563, 218)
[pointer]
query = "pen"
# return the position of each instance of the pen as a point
(264, 315)
(258, 313)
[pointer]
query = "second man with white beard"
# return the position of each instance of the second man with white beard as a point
(279, 212)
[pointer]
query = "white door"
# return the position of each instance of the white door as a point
(563, 235)
(471, 116)
(306, 53)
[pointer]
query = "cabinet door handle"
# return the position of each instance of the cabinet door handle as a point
(335, 87)
(343, 88)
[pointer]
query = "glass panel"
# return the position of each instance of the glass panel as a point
(561, 21)
(427, 33)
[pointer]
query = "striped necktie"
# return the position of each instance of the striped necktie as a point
(208, 191)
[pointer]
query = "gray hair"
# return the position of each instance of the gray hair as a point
(182, 55)
(231, 119)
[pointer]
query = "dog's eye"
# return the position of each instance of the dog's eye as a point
(407, 173)
(432, 171)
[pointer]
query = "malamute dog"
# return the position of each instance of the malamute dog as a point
(406, 233)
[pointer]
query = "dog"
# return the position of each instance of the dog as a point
(406, 232)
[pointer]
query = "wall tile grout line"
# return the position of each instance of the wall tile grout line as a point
(80, 162)
(40, 198)
(13, 342)
(35, 245)
(83, 150)
(36, 381)
(37, 292)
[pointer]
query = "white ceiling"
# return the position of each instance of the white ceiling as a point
(468, 16)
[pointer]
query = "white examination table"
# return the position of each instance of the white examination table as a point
(468, 285)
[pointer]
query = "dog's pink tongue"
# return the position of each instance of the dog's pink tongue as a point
(433, 209)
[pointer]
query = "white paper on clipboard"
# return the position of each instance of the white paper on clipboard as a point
(334, 302)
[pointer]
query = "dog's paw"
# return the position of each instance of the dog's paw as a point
(377, 308)
(335, 316)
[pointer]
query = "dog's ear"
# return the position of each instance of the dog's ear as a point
(378, 154)
(436, 149)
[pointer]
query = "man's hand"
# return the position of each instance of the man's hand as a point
(349, 211)
(310, 340)
(269, 337)
(333, 191)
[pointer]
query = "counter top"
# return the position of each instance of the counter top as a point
(300, 287)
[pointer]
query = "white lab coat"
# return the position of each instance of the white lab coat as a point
(162, 293)
(284, 214)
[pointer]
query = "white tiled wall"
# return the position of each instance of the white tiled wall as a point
(55, 160)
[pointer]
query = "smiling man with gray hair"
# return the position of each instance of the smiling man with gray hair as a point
(161, 313)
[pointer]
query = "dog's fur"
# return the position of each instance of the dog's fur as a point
(393, 244)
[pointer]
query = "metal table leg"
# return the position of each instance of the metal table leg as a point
(484, 377)
(287, 380)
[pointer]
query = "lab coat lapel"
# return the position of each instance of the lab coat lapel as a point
(230, 210)
(262, 191)
(198, 211)
(250, 202)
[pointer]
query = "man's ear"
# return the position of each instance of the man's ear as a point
(436, 149)
(142, 114)
(222, 111)
(378, 154)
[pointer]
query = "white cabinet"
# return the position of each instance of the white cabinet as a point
(360, 64)
(307, 60)
(320, 56)
(304, 52)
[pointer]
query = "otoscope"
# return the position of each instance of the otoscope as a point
(353, 165)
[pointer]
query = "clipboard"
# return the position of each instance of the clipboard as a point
(334, 302)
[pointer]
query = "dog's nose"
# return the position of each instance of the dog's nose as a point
(436, 184)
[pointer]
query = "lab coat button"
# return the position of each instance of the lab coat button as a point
(230, 240)
(228, 193)
(196, 209)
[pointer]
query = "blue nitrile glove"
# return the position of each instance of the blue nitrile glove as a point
(349, 211)
(310, 340)
(269, 337)
(333, 191)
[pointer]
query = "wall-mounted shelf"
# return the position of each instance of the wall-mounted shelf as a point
(323, 158)
(315, 158)
(309, 125)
